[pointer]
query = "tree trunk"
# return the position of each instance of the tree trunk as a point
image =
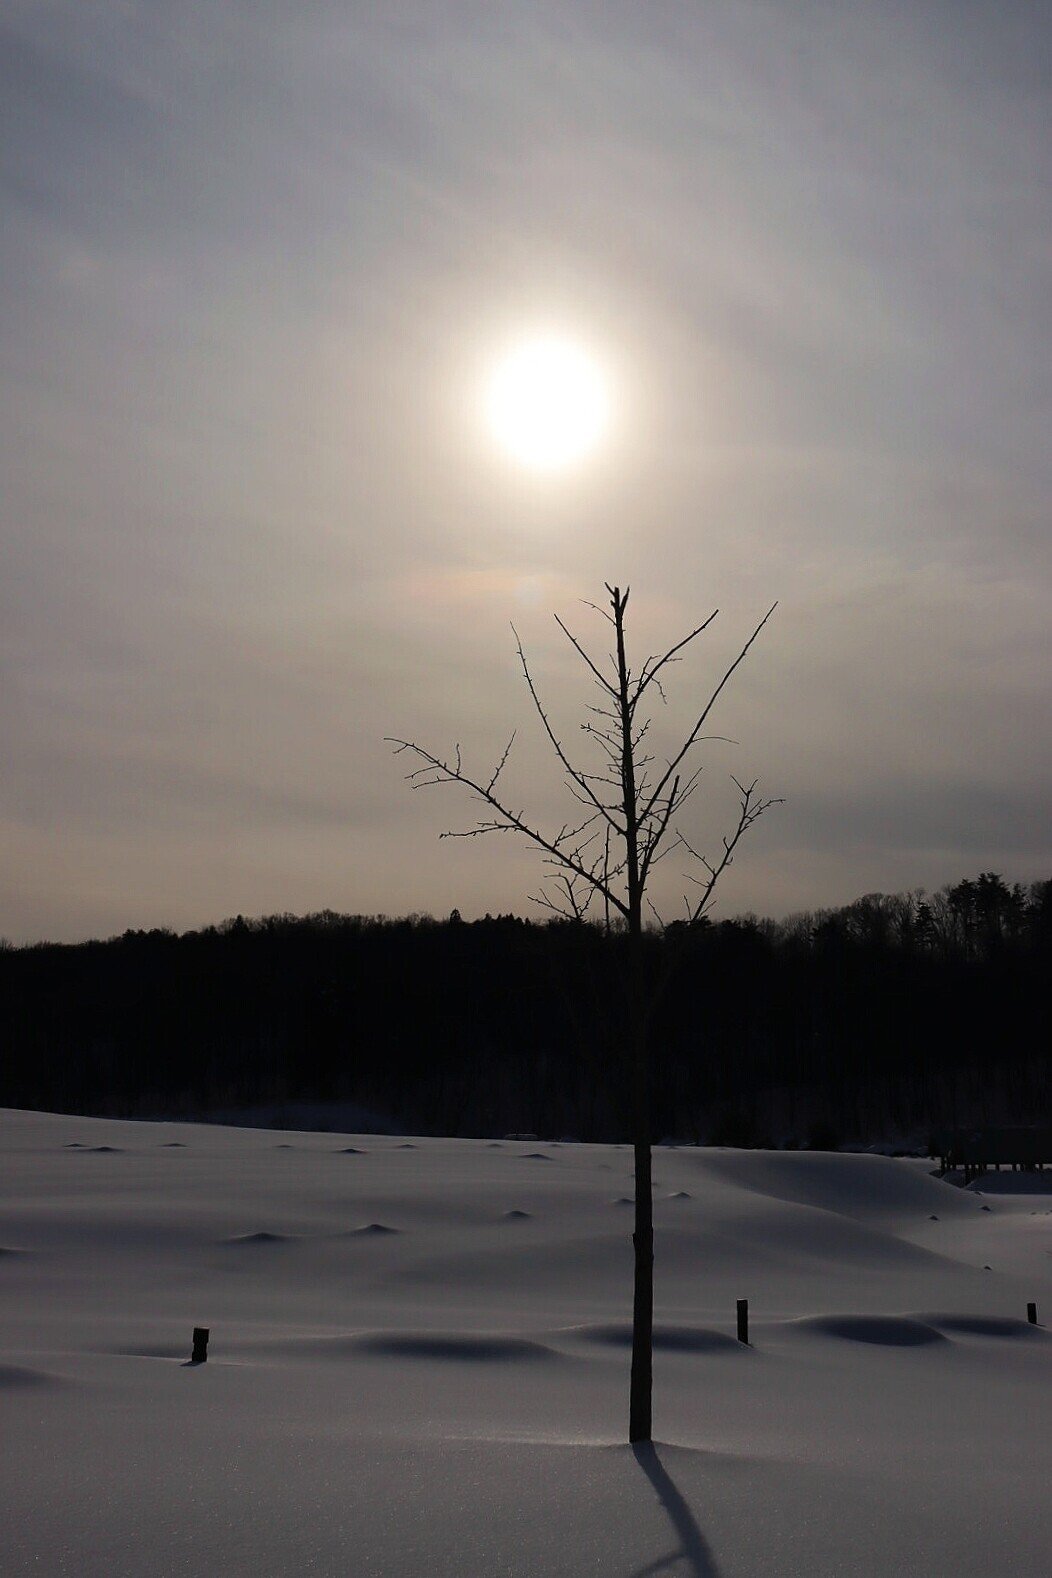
(641, 1386)
(642, 1382)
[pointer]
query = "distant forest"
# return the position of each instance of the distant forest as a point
(886, 1018)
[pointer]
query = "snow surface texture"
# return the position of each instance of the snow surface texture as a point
(419, 1361)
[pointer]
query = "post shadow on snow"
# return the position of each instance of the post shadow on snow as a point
(693, 1548)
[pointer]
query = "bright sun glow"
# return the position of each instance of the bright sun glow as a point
(547, 403)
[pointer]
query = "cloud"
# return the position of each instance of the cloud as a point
(255, 261)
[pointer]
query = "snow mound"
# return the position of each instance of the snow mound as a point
(17, 1377)
(985, 1326)
(247, 1239)
(866, 1188)
(471, 1347)
(669, 1339)
(887, 1331)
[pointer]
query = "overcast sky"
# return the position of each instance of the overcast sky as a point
(257, 258)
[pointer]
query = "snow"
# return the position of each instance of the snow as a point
(419, 1360)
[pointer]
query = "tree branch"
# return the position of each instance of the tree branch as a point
(578, 778)
(446, 772)
(649, 675)
(692, 738)
(750, 811)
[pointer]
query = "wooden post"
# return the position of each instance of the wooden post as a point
(200, 1353)
(1031, 1314)
(743, 1321)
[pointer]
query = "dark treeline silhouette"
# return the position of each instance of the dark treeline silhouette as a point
(892, 1015)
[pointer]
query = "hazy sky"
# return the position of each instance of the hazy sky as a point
(257, 259)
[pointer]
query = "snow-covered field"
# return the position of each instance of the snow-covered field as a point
(419, 1360)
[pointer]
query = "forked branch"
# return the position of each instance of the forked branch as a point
(695, 733)
(751, 808)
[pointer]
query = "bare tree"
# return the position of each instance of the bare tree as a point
(602, 861)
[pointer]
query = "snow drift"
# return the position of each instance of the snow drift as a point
(419, 1353)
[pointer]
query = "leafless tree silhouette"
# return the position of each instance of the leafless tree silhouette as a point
(601, 861)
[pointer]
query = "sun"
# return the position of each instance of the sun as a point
(547, 403)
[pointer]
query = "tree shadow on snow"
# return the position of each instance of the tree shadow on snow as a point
(694, 1553)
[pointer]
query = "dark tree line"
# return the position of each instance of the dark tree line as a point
(890, 1015)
